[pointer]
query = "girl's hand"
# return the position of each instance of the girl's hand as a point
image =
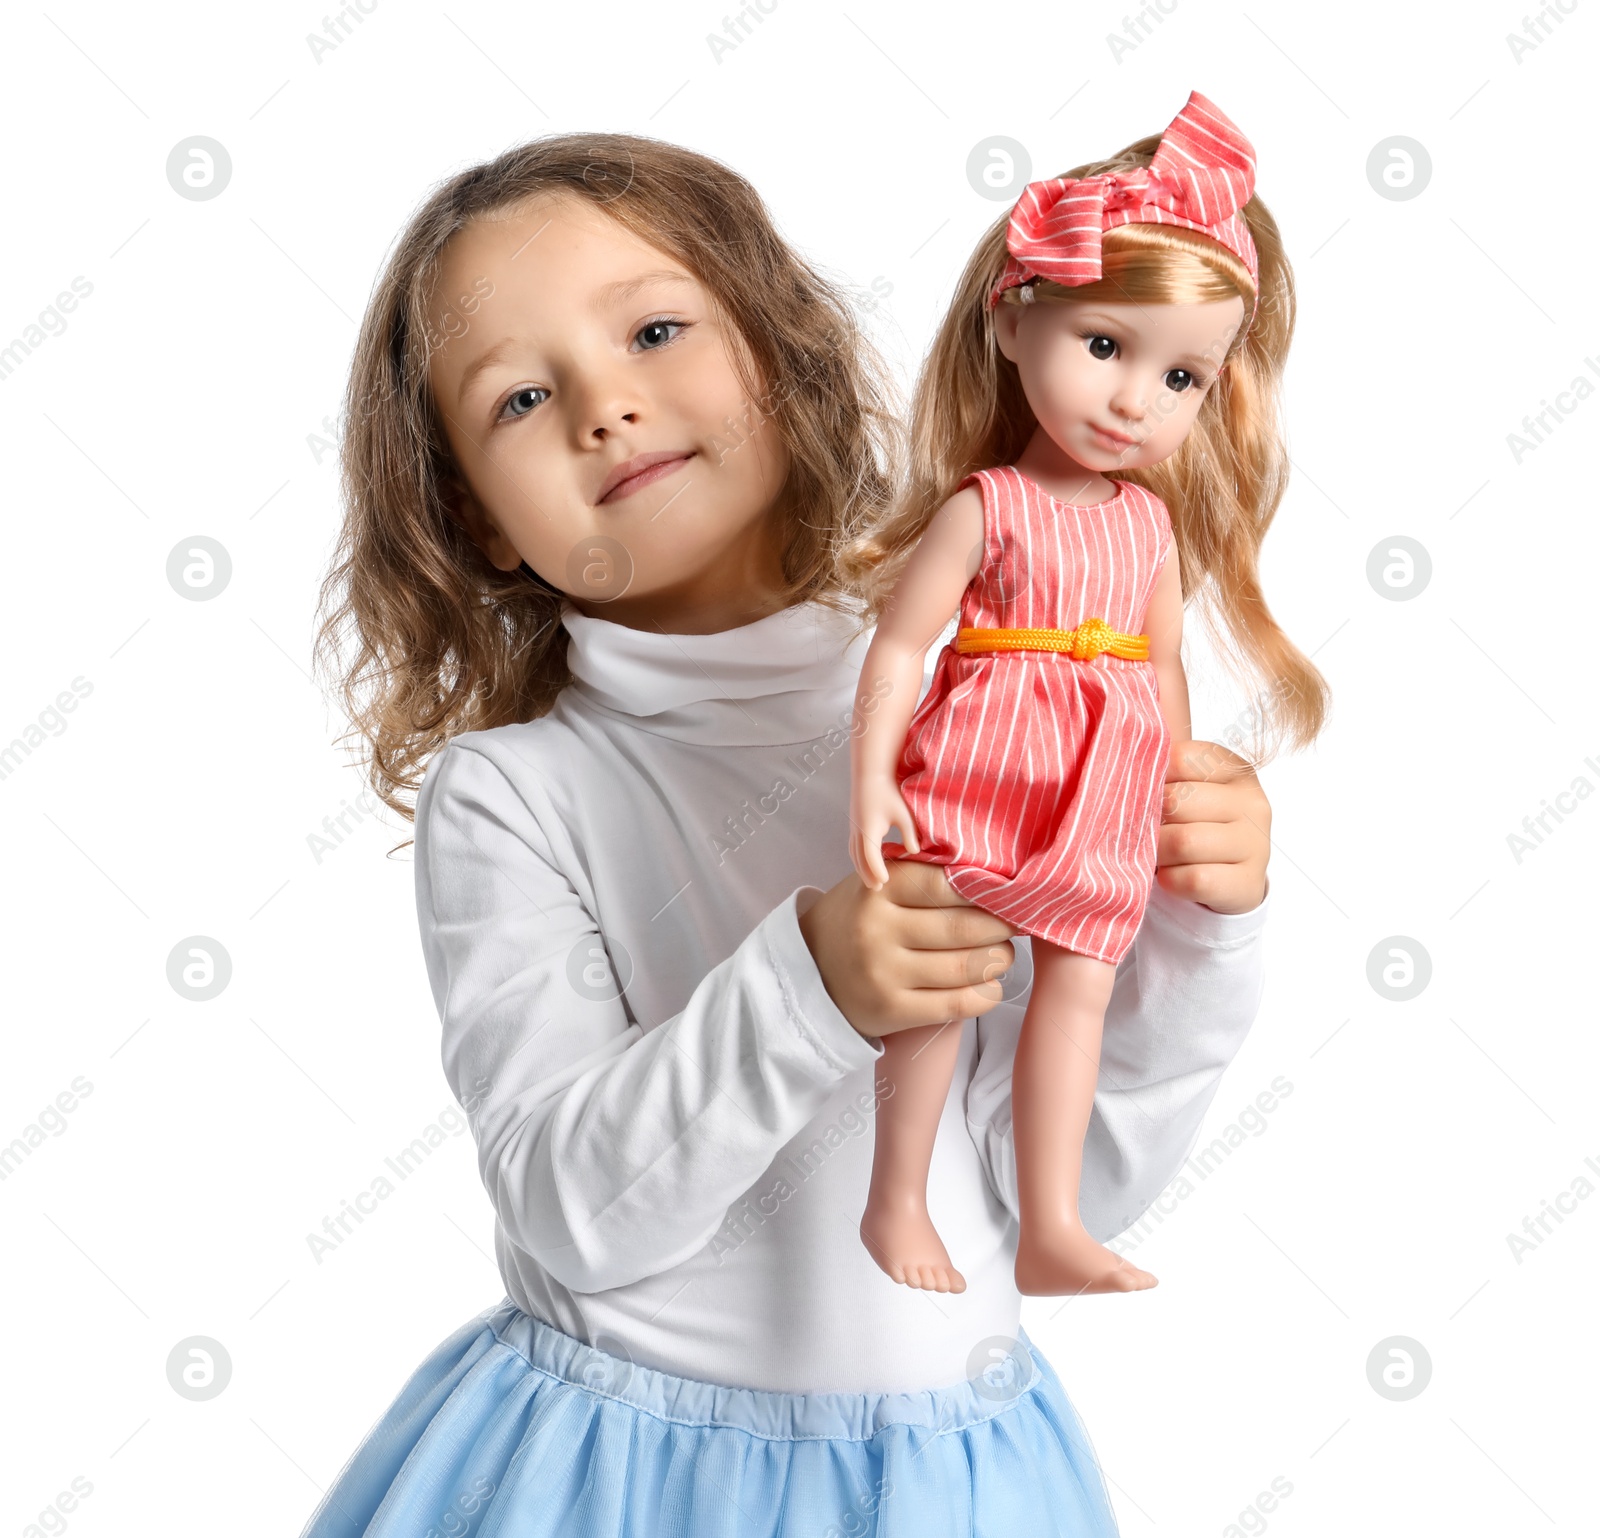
(1215, 829)
(875, 806)
(913, 953)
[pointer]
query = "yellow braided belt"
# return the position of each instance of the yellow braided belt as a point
(1085, 642)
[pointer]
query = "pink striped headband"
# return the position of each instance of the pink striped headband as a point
(1202, 173)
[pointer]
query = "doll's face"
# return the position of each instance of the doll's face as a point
(570, 347)
(1139, 370)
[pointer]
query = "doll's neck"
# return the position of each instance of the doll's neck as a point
(1044, 463)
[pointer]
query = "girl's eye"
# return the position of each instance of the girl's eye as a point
(519, 405)
(656, 328)
(1095, 349)
(1185, 379)
(654, 334)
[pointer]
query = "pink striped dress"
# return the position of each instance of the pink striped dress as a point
(1033, 777)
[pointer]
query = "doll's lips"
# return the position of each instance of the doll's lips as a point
(633, 474)
(1121, 439)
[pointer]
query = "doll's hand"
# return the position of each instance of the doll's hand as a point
(1215, 829)
(874, 808)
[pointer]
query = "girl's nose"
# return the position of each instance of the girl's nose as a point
(603, 401)
(604, 422)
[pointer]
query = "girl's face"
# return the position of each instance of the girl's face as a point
(588, 393)
(1117, 386)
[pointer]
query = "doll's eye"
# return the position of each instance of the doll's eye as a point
(1184, 380)
(1095, 349)
(519, 404)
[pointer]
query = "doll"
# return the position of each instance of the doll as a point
(1033, 768)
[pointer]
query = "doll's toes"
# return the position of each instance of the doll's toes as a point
(1061, 1259)
(936, 1276)
(1129, 1278)
(907, 1248)
(896, 1271)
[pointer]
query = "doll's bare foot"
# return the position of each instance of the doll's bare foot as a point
(1064, 1258)
(906, 1245)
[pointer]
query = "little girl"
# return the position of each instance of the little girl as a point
(612, 460)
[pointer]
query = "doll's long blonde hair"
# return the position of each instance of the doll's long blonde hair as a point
(1222, 487)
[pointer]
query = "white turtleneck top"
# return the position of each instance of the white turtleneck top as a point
(673, 1119)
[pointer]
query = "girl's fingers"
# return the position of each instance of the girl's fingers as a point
(1205, 843)
(1206, 782)
(1195, 801)
(1206, 761)
(921, 884)
(1199, 801)
(1225, 888)
(951, 971)
(955, 929)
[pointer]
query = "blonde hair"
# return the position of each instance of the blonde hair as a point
(1222, 487)
(421, 635)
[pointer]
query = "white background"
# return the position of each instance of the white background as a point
(177, 799)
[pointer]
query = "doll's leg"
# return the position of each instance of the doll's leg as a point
(1052, 1094)
(913, 1082)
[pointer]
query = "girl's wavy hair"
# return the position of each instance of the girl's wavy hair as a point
(1222, 487)
(421, 636)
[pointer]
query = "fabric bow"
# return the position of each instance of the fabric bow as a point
(1201, 175)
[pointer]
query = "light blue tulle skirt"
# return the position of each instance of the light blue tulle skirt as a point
(512, 1429)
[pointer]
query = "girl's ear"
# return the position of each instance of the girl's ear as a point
(466, 510)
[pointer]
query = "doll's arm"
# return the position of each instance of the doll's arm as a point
(1184, 999)
(918, 608)
(1163, 622)
(610, 1152)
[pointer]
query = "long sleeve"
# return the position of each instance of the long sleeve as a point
(1181, 1006)
(611, 1152)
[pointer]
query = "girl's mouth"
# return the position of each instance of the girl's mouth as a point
(635, 474)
